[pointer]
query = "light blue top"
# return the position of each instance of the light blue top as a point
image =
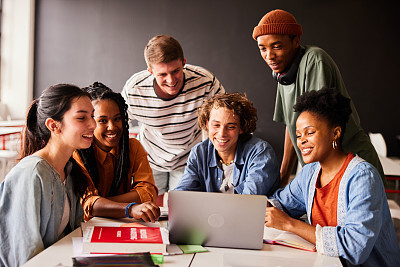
(31, 207)
(365, 233)
(256, 170)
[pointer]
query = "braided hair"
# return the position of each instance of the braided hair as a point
(99, 91)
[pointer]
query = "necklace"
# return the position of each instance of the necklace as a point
(226, 164)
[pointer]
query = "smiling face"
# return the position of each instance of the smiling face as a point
(169, 77)
(278, 50)
(109, 124)
(78, 125)
(315, 137)
(223, 131)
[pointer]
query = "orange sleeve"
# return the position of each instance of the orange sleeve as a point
(91, 194)
(143, 180)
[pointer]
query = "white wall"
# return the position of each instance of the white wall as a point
(17, 50)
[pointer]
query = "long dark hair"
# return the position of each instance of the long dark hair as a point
(53, 103)
(99, 91)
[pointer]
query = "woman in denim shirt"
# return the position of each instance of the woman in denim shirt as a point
(342, 194)
(39, 198)
(231, 160)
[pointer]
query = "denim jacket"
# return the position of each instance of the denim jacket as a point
(255, 171)
(31, 208)
(365, 234)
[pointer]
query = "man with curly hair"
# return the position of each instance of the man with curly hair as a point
(299, 69)
(231, 160)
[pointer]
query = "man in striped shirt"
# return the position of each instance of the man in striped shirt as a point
(164, 100)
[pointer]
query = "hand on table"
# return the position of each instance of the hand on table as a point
(277, 219)
(148, 211)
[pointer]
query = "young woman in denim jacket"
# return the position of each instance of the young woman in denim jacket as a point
(342, 194)
(39, 198)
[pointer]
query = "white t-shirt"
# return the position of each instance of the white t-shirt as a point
(227, 182)
(65, 216)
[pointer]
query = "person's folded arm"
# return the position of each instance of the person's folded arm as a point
(143, 188)
(262, 174)
(293, 198)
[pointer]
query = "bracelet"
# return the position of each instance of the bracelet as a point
(127, 209)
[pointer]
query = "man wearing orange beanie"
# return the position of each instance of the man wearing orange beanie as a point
(299, 69)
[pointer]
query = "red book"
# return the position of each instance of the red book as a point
(119, 240)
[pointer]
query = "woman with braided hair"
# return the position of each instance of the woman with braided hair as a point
(122, 183)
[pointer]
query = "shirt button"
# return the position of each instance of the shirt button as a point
(219, 179)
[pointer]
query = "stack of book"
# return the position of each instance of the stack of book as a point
(123, 240)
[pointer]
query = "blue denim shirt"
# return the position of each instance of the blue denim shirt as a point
(256, 170)
(365, 233)
(31, 208)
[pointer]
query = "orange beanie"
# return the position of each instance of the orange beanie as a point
(277, 22)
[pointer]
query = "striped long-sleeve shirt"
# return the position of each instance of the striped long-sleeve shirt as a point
(168, 128)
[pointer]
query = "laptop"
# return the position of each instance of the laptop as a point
(216, 219)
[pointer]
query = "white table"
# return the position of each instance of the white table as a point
(5, 132)
(61, 254)
(12, 123)
(10, 130)
(269, 255)
(390, 167)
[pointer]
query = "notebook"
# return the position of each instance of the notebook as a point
(216, 219)
(275, 236)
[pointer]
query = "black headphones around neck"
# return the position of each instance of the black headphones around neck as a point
(289, 76)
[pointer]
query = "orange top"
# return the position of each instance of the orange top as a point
(140, 171)
(324, 210)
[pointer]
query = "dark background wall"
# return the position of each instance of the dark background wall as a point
(82, 41)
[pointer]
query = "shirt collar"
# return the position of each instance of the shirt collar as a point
(101, 155)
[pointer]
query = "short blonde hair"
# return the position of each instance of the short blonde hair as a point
(162, 49)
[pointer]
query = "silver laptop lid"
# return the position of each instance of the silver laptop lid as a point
(216, 219)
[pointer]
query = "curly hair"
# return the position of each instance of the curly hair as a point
(99, 91)
(327, 103)
(236, 102)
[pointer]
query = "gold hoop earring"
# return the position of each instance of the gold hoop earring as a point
(334, 144)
